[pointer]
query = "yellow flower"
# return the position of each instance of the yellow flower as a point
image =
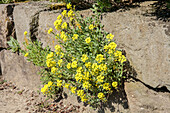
(110, 51)
(74, 64)
(50, 83)
(106, 86)
(25, 33)
(57, 47)
(123, 59)
(88, 40)
(100, 95)
(68, 65)
(79, 69)
(118, 53)
(64, 13)
(73, 89)
(50, 63)
(106, 47)
(91, 26)
(59, 83)
(86, 85)
(88, 64)
(83, 98)
(50, 30)
(50, 55)
(99, 58)
(60, 61)
(78, 76)
(54, 69)
(75, 36)
(71, 19)
(84, 57)
(114, 84)
(66, 85)
(64, 25)
(57, 23)
(59, 17)
(62, 55)
(112, 45)
(69, 6)
(103, 67)
(26, 54)
(86, 75)
(44, 89)
(80, 92)
(70, 13)
(100, 78)
(109, 36)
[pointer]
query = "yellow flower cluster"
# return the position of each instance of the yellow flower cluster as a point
(119, 57)
(100, 95)
(91, 26)
(50, 30)
(45, 88)
(49, 60)
(89, 67)
(63, 36)
(75, 36)
(84, 57)
(99, 58)
(111, 47)
(88, 40)
(110, 36)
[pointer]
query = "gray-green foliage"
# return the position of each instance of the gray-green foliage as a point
(14, 45)
(36, 53)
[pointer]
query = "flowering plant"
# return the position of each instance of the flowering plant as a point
(86, 61)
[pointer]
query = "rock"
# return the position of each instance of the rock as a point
(46, 20)
(15, 68)
(147, 47)
(26, 18)
(6, 24)
(144, 100)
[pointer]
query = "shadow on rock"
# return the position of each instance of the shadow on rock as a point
(115, 101)
(118, 99)
(160, 10)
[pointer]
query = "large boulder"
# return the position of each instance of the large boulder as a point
(142, 99)
(26, 18)
(17, 69)
(146, 43)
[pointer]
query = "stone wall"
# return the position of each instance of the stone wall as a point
(146, 42)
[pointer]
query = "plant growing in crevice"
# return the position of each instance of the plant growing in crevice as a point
(86, 60)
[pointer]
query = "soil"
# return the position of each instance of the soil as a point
(16, 100)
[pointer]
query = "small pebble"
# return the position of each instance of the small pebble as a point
(26, 108)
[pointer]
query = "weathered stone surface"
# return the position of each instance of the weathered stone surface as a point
(46, 20)
(146, 44)
(6, 24)
(144, 100)
(26, 18)
(15, 68)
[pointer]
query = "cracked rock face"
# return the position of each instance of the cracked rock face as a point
(6, 24)
(144, 100)
(26, 18)
(146, 43)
